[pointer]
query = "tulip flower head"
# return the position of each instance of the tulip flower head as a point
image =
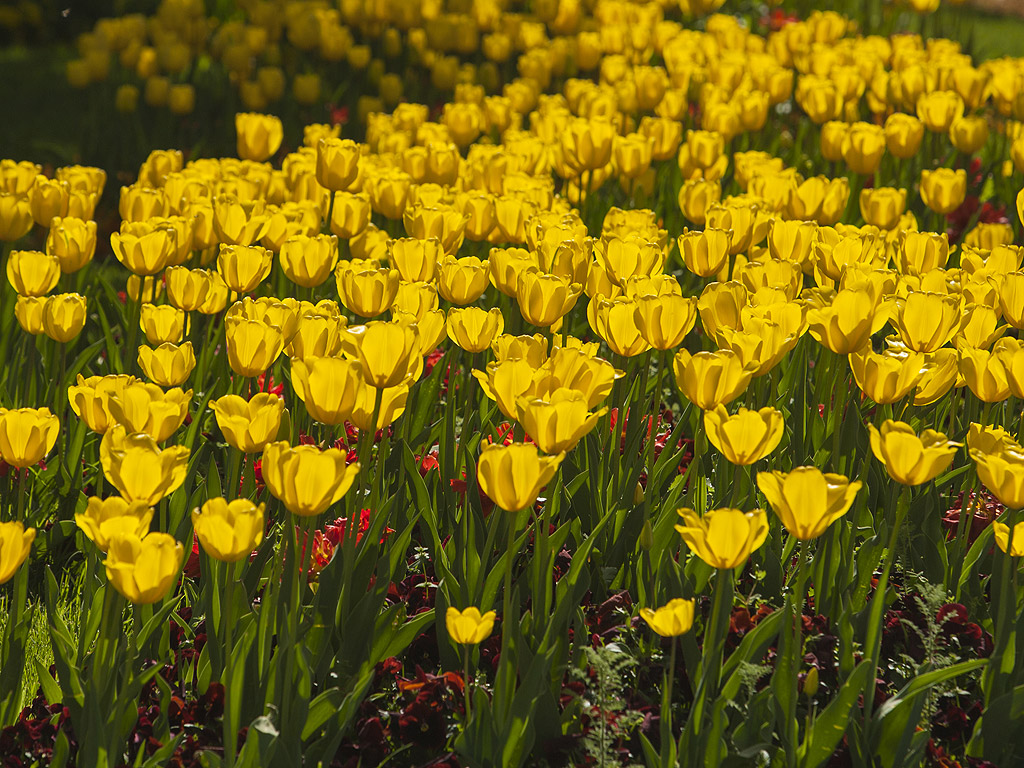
(27, 435)
(1011, 545)
(103, 519)
(723, 538)
(807, 500)
(469, 627)
(672, 619)
(249, 426)
(908, 458)
(229, 531)
(306, 479)
(746, 437)
(143, 570)
(513, 475)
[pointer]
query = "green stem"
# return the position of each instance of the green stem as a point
(714, 648)
(469, 687)
(666, 704)
(874, 638)
(229, 720)
(795, 650)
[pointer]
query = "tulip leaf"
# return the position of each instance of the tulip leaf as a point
(978, 549)
(829, 727)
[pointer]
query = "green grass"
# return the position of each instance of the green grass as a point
(997, 36)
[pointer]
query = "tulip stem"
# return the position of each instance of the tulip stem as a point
(795, 651)
(872, 646)
(466, 682)
(228, 719)
(666, 703)
(22, 493)
(364, 455)
(713, 650)
(234, 473)
(506, 608)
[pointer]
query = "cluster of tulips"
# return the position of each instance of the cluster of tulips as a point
(468, 336)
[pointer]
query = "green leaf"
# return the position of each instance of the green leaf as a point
(830, 726)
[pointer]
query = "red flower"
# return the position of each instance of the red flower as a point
(265, 383)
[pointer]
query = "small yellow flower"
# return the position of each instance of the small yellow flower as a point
(671, 620)
(468, 627)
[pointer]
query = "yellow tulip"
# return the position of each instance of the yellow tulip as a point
(32, 273)
(307, 480)
(249, 426)
(138, 468)
(29, 312)
(386, 351)
(1011, 299)
(559, 421)
(244, 267)
(392, 404)
(90, 399)
(143, 569)
(513, 475)
(943, 189)
(723, 538)
(105, 518)
(844, 325)
(927, 321)
(367, 292)
(615, 321)
(146, 253)
(162, 324)
(328, 386)
(807, 500)
(144, 407)
(984, 373)
(747, 436)
(505, 382)
(64, 316)
(258, 136)
(169, 365)
(908, 458)
(671, 620)
(533, 349)
(416, 259)
(544, 299)
(719, 306)
(473, 329)
(462, 281)
(468, 627)
(337, 163)
(15, 543)
(253, 346)
(940, 373)
(27, 435)
(886, 378)
(710, 379)
(1002, 472)
(665, 320)
(229, 530)
(1012, 546)
(309, 260)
